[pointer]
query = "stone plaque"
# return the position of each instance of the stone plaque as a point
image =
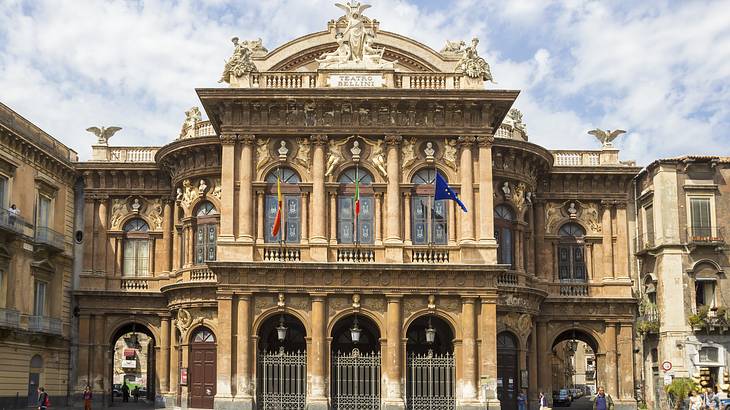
(356, 81)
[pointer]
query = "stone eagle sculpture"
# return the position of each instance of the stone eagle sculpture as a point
(606, 136)
(103, 133)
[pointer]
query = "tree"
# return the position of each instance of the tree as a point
(679, 389)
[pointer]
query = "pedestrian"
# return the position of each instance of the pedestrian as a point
(522, 400)
(543, 401)
(13, 213)
(125, 392)
(695, 401)
(603, 401)
(43, 401)
(87, 397)
(135, 393)
(712, 402)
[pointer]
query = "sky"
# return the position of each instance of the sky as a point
(657, 69)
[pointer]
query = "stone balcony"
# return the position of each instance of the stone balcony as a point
(47, 237)
(9, 318)
(410, 80)
(588, 158)
(44, 324)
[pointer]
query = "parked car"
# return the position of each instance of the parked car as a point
(117, 390)
(576, 394)
(562, 397)
(725, 404)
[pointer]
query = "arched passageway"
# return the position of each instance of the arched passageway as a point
(282, 363)
(430, 369)
(574, 364)
(132, 351)
(356, 363)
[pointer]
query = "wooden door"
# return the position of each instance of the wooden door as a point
(202, 372)
(507, 382)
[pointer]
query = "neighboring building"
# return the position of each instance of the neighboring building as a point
(131, 355)
(683, 213)
(37, 179)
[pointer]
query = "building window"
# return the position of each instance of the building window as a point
(39, 298)
(428, 217)
(571, 253)
(136, 248)
(206, 232)
(709, 354)
(705, 293)
(290, 230)
(504, 220)
(3, 192)
(701, 219)
(44, 211)
(353, 228)
(3, 289)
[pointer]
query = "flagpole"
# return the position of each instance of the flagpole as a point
(356, 235)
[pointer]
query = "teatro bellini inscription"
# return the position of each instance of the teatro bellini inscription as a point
(355, 80)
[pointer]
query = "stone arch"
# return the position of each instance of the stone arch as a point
(190, 211)
(130, 217)
(197, 324)
(451, 176)
(521, 338)
(564, 332)
(377, 178)
(440, 313)
(119, 324)
(705, 266)
(269, 313)
(379, 322)
(304, 175)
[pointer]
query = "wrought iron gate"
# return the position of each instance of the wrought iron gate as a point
(430, 381)
(355, 380)
(282, 380)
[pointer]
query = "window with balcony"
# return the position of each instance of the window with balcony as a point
(136, 246)
(428, 216)
(3, 289)
(571, 253)
(43, 218)
(4, 183)
(504, 221)
(705, 293)
(701, 229)
(40, 304)
(290, 229)
(206, 232)
(709, 354)
(353, 227)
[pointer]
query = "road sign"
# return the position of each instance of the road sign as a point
(666, 366)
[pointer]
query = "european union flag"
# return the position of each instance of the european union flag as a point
(444, 191)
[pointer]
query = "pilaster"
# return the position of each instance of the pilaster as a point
(228, 156)
(245, 191)
(223, 396)
(392, 365)
(243, 391)
(317, 359)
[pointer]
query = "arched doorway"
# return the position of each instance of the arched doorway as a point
(282, 363)
(430, 370)
(355, 373)
(202, 368)
(34, 379)
(507, 371)
(574, 363)
(133, 364)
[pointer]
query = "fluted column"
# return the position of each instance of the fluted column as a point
(393, 205)
(245, 192)
(305, 217)
(243, 347)
(167, 236)
(486, 190)
(228, 156)
(533, 369)
(177, 243)
(544, 358)
(452, 221)
(467, 189)
(165, 353)
(260, 211)
(319, 200)
(88, 265)
(468, 350)
(317, 360)
(407, 222)
(378, 218)
(393, 366)
(333, 218)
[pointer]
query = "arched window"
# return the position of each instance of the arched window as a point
(504, 220)
(291, 206)
(428, 217)
(352, 228)
(136, 248)
(203, 335)
(206, 232)
(571, 253)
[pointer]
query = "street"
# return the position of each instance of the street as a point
(583, 403)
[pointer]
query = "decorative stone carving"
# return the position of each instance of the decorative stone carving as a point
(334, 157)
(355, 151)
(516, 116)
(303, 152)
(506, 191)
(450, 153)
(518, 197)
(283, 151)
(572, 211)
(178, 194)
(454, 48)
(119, 211)
(281, 301)
(136, 206)
(356, 301)
(240, 63)
(202, 187)
(262, 152)
(377, 158)
(103, 134)
(472, 65)
(590, 217)
(184, 320)
(529, 196)
(189, 195)
(263, 302)
(429, 151)
(606, 137)
(192, 117)
(586, 213)
(408, 152)
(432, 302)
(153, 212)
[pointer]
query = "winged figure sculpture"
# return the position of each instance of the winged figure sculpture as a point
(103, 133)
(606, 136)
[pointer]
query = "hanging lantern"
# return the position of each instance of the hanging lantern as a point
(430, 333)
(355, 331)
(281, 329)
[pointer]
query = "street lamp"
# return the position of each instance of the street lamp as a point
(430, 333)
(281, 329)
(355, 331)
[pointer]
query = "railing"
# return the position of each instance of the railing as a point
(645, 241)
(574, 289)
(11, 222)
(430, 256)
(507, 279)
(132, 154)
(430, 381)
(200, 129)
(282, 255)
(577, 158)
(43, 324)
(705, 235)
(429, 81)
(203, 275)
(282, 380)
(135, 284)
(648, 320)
(9, 317)
(355, 255)
(47, 236)
(283, 80)
(355, 380)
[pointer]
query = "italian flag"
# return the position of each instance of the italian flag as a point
(277, 221)
(357, 197)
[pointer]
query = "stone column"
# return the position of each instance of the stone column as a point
(392, 365)
(260, 211)
(189, 248)
(407, 222)
(223, 392)
(378, 218)
(305, 217)
(519, 248)
(469, 351)
(333, 218)
(611, 364)
(317, 359)
(177, 243)
(486, 190)
(88, 264)
(245, 192)
(101, 350)
(544, 358)
(83, 374)
(467, 189)
(100, 257)
(167, 236)
(319, 200)
(165, 354)
(607, 243)
(533, 369)
(488, 351)
(625, 362)
(243, 351)
(621, 250)
(228, 155)
(539, 229)
(452, 222)
(393, 205)
(174, 375)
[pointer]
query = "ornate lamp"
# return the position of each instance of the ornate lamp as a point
(281, 329)
(430, 333)
(355, 331)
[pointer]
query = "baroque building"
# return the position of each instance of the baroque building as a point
(290, 252)
(682, 216)
(37, 179)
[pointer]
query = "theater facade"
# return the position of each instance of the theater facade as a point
(372, 294)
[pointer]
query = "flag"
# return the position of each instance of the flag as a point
(444, 191)
(357, 197)
(277, 221)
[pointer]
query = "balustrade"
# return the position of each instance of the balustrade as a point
(282, 255)
(430, 255)
(355, 255)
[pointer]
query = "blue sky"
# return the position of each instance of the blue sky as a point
(658, 69)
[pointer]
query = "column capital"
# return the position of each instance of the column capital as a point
(465, 300)
(224, 296)
(393, 297)
(318, 297)
(228, 139)
(485, 141)
(466, 141)
(319, 139)
(392, 140)
(247, 139)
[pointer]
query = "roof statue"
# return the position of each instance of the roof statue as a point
(192, 117)
(472, 65)
(240, 62)
(103, 133)
(355, 44)
(606, 136)
(454, 48)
